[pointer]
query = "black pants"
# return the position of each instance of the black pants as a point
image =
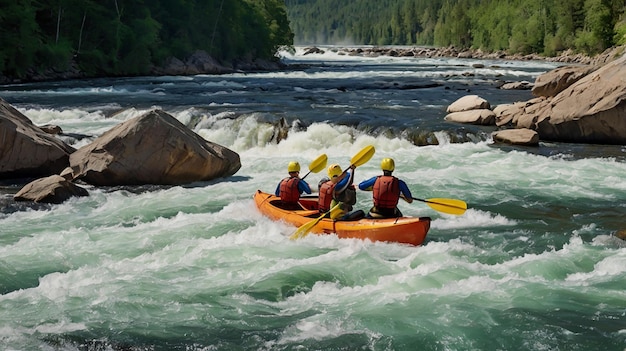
(376, 212)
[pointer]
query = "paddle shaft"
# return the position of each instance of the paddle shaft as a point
(438, 203)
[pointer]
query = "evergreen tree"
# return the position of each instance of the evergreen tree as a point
(517, 26)
(128, 37)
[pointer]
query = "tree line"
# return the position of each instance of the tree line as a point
(517, 26)
(128, 37)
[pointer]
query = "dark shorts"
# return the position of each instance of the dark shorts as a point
(376, 212)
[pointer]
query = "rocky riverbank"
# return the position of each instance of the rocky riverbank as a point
(567, 56)
(200, 62)
(573, 103)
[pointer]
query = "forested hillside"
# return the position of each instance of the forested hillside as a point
(517, 26)
(127, 37)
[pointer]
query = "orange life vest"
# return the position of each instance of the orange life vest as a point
(326, 196)
(386, 192)
(289, 189)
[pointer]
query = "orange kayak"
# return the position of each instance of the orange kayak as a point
(406, 230)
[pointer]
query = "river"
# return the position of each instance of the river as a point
(531, 265)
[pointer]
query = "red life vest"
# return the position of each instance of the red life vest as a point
(289, 189)
(386, 192)
(326, 196)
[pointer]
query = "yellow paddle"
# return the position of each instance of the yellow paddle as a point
(304, 229)
(317, 165)
(357, 160)
(450, 206)
(363, 156)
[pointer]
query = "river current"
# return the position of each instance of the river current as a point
(531, 265)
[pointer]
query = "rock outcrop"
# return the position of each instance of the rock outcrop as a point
(584, 104)
(154, 148)
(555, 81)
(53, 189)
(591, 110)
(25, 150)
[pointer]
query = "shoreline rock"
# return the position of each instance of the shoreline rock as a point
(200, 62)
(572, 104)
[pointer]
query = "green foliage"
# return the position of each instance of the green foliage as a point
(128, 37)
(620, 33)
(19, 38)
(517, 26)
(56, 56)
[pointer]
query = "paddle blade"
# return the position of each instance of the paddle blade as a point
(304, 229)
(450, 206)
(319, 163)
(363, 156)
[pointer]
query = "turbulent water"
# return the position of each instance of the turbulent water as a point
(532, 264)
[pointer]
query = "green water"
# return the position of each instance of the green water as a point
(532, 265)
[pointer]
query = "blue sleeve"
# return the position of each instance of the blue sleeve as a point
(404, 189)
(367, 183)
(277, 192)
(343, 184)
(304, 187)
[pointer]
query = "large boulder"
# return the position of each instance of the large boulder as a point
(154, 148)
(592, 110)
(551, 83)
(53, 189)
(25, 150)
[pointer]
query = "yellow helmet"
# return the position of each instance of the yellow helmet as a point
(293, 167)
(387, 164)
(334, 170)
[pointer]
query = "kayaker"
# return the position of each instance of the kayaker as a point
(338, 188)
(386, 191)
(289, 189)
